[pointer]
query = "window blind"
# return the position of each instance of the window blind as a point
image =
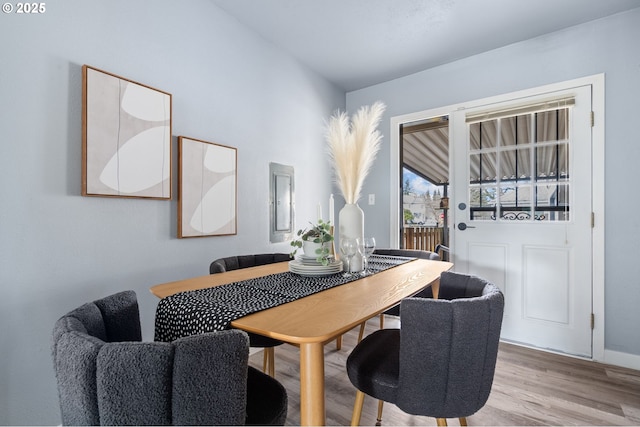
(521, 110)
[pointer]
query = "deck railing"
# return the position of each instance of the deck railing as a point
(422, 238)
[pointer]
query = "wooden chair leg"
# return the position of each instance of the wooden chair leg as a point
(269, 362)
(379, 419)
(357, 409)
(339, 342)
(441, 421)
(381, 320)
(272, 362)
(361, 334)
(463, 421)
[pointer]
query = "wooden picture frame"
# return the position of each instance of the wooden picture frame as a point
(207, 188)
(126, 137)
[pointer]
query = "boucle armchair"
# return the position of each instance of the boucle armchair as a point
(245, 261)
(107, 376)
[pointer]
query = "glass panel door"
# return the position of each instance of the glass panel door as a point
(519, 167)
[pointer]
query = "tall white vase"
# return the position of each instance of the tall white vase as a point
(351, 221)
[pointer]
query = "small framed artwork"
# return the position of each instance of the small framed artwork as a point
(126, 137)
(207, 188)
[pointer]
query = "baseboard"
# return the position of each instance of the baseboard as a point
(610, 357)
(626, 360)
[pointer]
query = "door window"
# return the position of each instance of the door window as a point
(519, 166)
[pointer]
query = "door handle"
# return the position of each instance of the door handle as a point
(462, 226)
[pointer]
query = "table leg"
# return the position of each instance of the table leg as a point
(312, 384)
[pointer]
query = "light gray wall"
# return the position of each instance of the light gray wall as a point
(607, 46)
(58, 249)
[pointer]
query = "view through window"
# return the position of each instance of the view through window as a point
(422, 201)
(519, 167)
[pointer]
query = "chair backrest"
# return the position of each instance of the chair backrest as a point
(106, 376)
(445, 251)
(413, 253)
(245, 261)
(449, 348)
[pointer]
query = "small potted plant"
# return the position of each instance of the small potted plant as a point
(315, 241)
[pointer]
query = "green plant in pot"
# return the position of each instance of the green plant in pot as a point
(320, 235)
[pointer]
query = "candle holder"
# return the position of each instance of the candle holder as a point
(332, 250)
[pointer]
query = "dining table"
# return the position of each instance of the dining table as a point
(315, 320)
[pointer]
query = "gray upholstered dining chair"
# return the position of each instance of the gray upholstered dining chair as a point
(411, 253)
(107, 376)
(443, 251)
(441, 361)
(245, 261)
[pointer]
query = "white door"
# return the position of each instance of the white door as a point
(521, 207)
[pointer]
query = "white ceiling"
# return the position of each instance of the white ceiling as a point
(358, 43)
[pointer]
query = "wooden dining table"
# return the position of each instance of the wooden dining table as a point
(317, 319)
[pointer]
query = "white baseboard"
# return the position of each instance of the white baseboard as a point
(610, 357)
(626, 360)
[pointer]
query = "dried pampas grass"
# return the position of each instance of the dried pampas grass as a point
(353, 146)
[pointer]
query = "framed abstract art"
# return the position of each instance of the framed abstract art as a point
(126, 137)
(207, 189)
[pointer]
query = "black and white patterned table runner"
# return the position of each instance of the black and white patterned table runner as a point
(213, 309)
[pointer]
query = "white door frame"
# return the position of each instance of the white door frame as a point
(597, 168)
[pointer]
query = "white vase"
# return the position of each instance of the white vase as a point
(309, 248)
(351, 225)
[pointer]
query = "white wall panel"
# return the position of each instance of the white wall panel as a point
(546, 284)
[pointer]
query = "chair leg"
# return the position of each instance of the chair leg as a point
(357, 409)
(441, 421)
(379, 419)
(381, 320)
(339, 342)
(361, 334)
(463, 421)
(269, 362)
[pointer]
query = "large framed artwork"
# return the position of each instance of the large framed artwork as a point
(126, 137)
(207, 188)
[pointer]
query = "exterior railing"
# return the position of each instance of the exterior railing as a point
(422, 238)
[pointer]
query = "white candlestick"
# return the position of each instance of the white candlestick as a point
(319, 211)
(331, 209)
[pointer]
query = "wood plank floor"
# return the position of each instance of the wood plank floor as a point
(530, 388)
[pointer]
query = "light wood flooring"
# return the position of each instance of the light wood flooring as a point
(530, 388)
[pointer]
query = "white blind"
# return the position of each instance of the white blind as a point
(520, 110)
